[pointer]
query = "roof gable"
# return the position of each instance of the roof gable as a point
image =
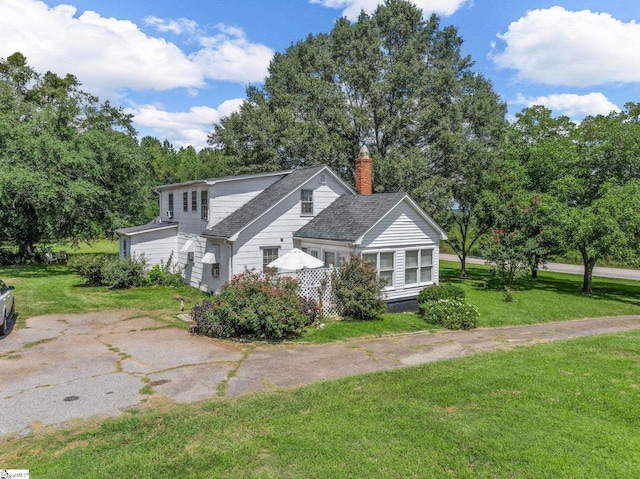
(233, 224)
(350, 217)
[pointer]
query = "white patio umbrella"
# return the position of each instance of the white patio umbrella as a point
(296, 259)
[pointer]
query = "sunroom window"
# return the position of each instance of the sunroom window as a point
(386, 267)
(384, 262)
(418, 266)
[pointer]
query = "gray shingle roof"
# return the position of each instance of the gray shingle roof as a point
(262, 203)
(349, 217)
(148, 227)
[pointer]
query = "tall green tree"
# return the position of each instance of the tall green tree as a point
(591, 172)
(70, 167)
(601, 190)
(392, 81)
(539, 151)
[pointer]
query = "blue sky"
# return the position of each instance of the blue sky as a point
(179, 66)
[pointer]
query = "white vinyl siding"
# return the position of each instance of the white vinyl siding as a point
(403, 226)
(229, 196)
(277, 226)
(157, 246)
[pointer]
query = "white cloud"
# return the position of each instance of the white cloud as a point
(110, 56)
(574, 106)
(177, 26)
(352, 8)
(230, 56)
(559, 47)
(183, 128)
(106, 54)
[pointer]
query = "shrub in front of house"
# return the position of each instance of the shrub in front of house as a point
(166, 274)
(450, 313)
(123, 273)
(89, 267)
(252, 306)
(440, 291)
(357, 290)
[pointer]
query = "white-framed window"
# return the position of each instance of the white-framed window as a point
(315, 252)
(306, 202)
(185, 201)
(418, 266)
(204, 204)
(330, 259)
(194, 201)
(269, 255)
(170, 210)
(384, 262)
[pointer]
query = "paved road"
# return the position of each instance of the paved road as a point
(605, 272)
(62, 368)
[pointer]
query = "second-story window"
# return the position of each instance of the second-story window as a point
(204, 204)
(185, 201)
(306, 201)
(170, 210)
(194, 201)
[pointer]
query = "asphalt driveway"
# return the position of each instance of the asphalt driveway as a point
(66, 367)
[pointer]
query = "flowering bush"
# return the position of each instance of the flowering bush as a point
(357, 290)
(450, 313)
(509, 254)
(252, 305)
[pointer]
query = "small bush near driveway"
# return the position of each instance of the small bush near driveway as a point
(252, 306)
(450, 313)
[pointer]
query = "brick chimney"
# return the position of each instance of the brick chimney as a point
(363, 172)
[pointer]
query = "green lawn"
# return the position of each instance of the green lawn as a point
(568, 409)
(54, 289)
(48, 289)
(552, 297)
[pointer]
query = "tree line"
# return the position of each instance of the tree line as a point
(70, 167)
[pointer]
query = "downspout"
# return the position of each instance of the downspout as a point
(230, 246)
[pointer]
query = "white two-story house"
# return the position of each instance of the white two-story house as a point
(220, 227)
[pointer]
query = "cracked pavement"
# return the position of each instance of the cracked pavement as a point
(70, 367)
